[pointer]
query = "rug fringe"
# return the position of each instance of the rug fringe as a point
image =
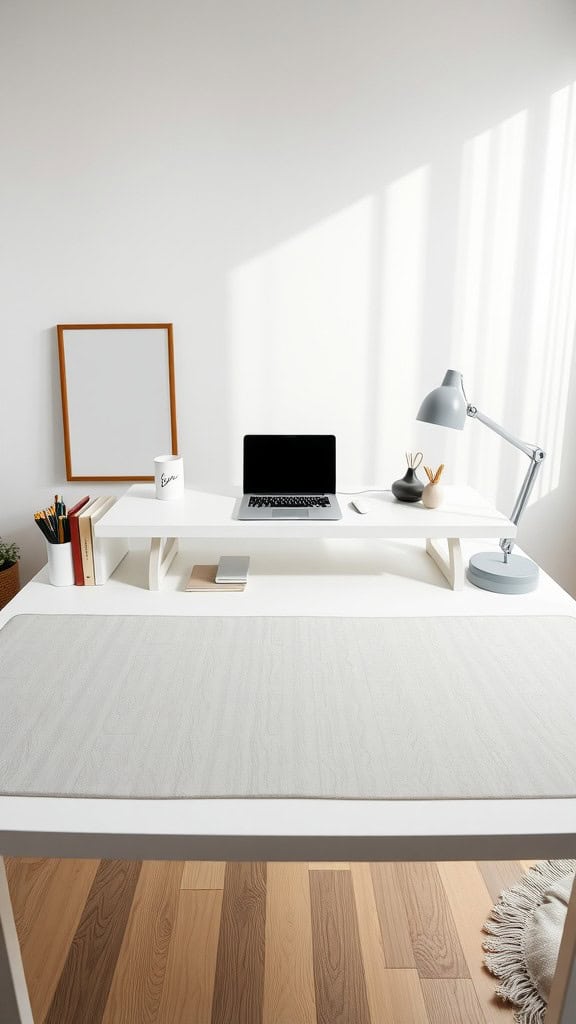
(505, 951)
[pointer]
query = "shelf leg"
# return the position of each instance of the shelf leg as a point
(562, 1002)
(453, 568)
(14, 1000)
(162, 552)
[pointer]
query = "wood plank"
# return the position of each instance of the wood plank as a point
(85, 982)
(239, 981)
(451, 1001)
(394, 996)
(338, 971)
(499, 875)
(48, 897)
(139, 976)
(189, 980)
(203, 874)
(470, 903)
(29, 881)
(437, 949)
(367, 915)
(392, 916)
(288, 973)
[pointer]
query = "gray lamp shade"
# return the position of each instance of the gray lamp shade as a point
(446, 406)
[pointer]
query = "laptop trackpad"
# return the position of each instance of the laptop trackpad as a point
(290, 513)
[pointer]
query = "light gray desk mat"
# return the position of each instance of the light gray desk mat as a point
(424, 708)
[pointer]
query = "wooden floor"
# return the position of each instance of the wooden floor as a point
(123, 942)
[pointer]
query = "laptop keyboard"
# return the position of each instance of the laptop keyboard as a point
(288, 501)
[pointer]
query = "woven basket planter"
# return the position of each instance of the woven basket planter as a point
(9, 583)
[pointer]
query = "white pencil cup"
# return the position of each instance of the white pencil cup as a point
(60, 567)
(169, 477)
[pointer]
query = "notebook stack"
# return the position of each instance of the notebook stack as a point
(230, 574)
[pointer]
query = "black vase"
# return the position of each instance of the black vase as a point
(409, 488)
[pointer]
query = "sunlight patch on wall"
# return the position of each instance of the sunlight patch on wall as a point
(404, 232)
(299, 334)
(325, 334)
(554, 317)
(489, 218)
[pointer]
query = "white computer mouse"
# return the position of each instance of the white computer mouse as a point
(360, 505)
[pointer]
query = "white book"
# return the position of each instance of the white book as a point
(108, 551)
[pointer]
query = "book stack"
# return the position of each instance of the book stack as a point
(203, 577)
(94, 558)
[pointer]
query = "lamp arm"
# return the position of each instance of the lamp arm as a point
(507, 543)
(529, 449)
(536, 456)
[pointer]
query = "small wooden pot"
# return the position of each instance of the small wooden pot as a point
(9, 583)
(432, 495)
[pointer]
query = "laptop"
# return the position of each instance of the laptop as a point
(289, 476)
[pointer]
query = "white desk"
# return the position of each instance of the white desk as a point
(199, 515)
(347, 578)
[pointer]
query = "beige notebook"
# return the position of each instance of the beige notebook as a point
(202, 577)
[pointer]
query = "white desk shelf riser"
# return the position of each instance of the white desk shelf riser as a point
(465, 514)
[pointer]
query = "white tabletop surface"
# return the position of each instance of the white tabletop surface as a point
(321, 578)
(464, 513)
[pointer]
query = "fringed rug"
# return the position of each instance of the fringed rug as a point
(525, 929)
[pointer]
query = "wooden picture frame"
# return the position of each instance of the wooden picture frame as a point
(118, 399)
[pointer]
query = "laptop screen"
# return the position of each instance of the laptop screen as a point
(289, 464)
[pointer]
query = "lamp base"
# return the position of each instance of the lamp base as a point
(489, 571)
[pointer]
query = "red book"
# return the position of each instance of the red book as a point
(75, 540)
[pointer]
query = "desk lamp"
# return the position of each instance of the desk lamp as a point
(505, 573)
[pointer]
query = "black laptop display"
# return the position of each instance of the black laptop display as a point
(289, 476)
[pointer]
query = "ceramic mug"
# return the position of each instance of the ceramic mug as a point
(169, 477)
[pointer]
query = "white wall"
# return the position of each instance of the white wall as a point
(332, 202)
